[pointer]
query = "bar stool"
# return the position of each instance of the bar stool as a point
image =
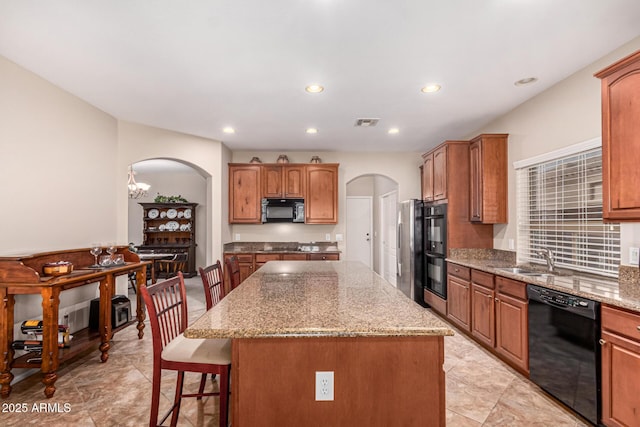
(233, 267)
(167, 312)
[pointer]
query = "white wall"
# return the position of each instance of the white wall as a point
(565, 114)
(399, 167)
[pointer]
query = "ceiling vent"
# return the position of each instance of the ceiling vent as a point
(366, 122)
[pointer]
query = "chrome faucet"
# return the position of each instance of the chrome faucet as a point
(547, 254)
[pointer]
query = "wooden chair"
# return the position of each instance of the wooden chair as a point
(233, 269)
(167, 312)
(170, 267)
(212, 281)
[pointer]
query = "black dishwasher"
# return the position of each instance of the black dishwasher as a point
(564, 353)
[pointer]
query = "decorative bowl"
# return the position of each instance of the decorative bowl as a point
(59, 268)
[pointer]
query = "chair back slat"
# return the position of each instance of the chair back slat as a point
(212, 281)
(233, 267)
(167, 308)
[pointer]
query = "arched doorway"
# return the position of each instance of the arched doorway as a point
(170, 177)
(360, 190)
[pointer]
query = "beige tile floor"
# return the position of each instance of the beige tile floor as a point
(481, 390)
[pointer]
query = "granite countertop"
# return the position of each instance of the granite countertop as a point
(316, 299)
(623, 293)
(281, 247)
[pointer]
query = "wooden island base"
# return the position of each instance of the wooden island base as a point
(379, 381)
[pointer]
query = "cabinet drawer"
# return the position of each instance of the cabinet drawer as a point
(242, 257)
(622, 322)
(482, 278)
(294, 257)
(511, 287)
(459, 271)
(268, 257)
(321, 257)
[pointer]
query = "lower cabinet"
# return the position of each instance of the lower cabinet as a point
(512, 322)
(459, 296)
(250, 262)
(620, 341)
(483, 312)
(493, 310)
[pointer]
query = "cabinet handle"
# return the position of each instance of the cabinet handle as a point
(601, 341)
(638, 328)
(497, 300)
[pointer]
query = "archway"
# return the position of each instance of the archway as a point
(171, 177)
(373, 187)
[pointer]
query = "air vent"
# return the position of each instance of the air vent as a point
(366, 122)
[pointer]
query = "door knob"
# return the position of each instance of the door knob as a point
(601, 341)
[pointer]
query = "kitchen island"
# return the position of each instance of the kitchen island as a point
(291, 319)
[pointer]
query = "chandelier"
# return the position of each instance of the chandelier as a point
(136, 189)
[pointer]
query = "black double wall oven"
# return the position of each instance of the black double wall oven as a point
(435, 249)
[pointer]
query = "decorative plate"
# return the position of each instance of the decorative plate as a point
(187, 213)
(172, 226)
(180, 214)
(183, 227)
(172, 213)
(162, 227)
(163, 214)
(153, 213)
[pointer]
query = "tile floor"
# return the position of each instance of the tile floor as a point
(481, 390)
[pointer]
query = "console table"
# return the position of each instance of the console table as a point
(21, 275)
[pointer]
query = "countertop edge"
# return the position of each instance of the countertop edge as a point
(199, 334)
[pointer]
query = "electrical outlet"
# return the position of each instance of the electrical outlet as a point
(512, 245)
(339, 237)
(327, 237)
(634, 256)
(237, 236)
(324, 385)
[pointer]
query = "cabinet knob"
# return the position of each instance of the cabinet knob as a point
(497, 300)
(601, 341)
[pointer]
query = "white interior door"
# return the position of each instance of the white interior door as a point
(388, 213)
(359, 229)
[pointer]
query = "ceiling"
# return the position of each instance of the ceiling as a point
(198, 66)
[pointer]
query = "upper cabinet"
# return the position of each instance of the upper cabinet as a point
(621, 139)
(287, 181)
(321, 201)
(317, 184)
(488, 179)
(440, 173)
(245, 193)
(427, 177)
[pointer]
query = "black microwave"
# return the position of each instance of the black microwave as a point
(282, 210)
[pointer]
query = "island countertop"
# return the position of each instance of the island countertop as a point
(316, 299)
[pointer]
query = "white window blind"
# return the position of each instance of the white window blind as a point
(560, 208)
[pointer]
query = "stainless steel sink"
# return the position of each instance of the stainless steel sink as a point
(528, 272)
(518, 270)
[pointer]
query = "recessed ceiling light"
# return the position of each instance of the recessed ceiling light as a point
(314, 88)
(312, 130)
(393, 131)
(430, 88)
(526, 81)
(229, 129)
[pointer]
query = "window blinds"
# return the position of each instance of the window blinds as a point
(559, 206)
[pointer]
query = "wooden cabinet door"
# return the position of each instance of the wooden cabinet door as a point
(458, 303)
(294, 181)
(620, 380)
(427, 177)
(621, 139)
(321, 202)
(272, 181)
(475, 185)
(440, 173)
(488, 179)
(512, 339)
(294, 257)
(245, 194)
(483, 320)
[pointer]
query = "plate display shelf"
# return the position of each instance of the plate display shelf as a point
(170, 228)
